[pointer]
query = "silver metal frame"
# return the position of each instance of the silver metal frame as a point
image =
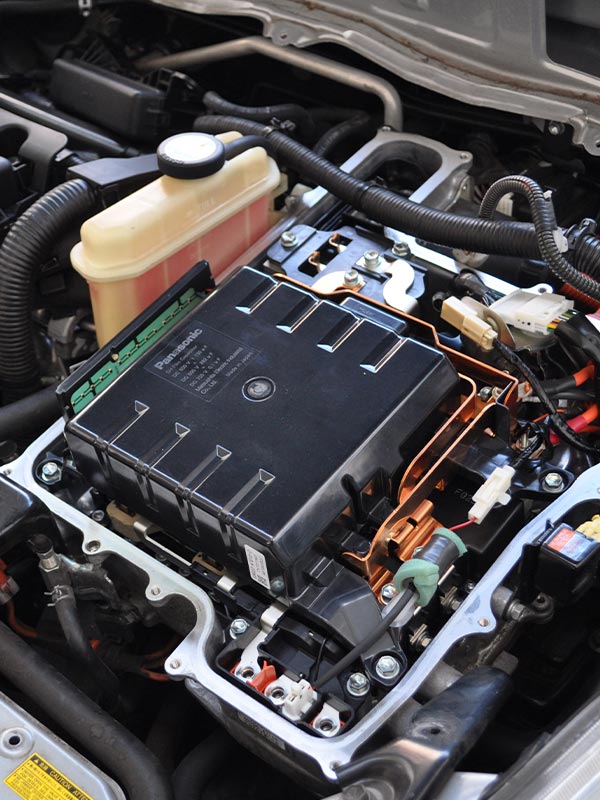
(191, 659)
(484, 52)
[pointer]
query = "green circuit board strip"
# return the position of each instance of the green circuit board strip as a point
(130, 352)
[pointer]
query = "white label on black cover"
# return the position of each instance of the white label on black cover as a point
(257, 564)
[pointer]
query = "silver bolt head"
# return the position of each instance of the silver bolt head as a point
(388, 592)
(387, 667)
(555, 128)
(553, 482)
(351, 278)
(400, 249)
(238, 627)
(485, 393)
(288, 239)
(372, 259)
(50, 472)
(358, 684)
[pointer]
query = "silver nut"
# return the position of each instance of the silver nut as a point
(388, 592)
(400, 250)
(553, 482)
(288, 239)
(358, 684)
(351, 278)
(238, 627)
(50, 472)
(388, 668)
(371, 259)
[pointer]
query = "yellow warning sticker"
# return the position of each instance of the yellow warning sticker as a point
(36, 779)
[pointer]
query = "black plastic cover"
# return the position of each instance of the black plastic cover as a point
(235, 434)
(120, 104)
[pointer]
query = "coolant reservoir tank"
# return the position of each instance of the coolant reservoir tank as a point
(202, 207)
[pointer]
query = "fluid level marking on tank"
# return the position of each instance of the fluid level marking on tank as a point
(130, 352)
(36, 779)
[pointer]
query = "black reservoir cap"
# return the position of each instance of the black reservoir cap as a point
(190, 155)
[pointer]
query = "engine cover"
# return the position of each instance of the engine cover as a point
(238, 432)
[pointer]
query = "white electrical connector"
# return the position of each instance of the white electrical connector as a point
(531, 312)
(468, 322)
(300, 701)
(493, 490)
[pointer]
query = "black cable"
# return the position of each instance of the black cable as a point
(378, 631)
(546, 228)
(556, 421)
(113, 747)
(18, 7)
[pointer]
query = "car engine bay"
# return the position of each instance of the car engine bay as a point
(300, 422)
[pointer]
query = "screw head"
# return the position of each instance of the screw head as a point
(258, 389)
(351, 278)
(388, 592)
(553, 482)
(155, 591)
(277, 586)
(288, 239)
(401, 249)
(358, 684)
(50, 472)
(238, 627)
(387, 667)
(175, 664)
(371, 259)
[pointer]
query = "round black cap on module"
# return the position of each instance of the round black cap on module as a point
(190, 155)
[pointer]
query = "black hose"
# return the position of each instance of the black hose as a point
(384, 206)
(20, 7)
(586, 255)
(26, 247)
(237, 146)
(282, 112)
(29, 416)
(115, 748)
(358, 125)
(544, 222)
(556, 420)
(200, 765)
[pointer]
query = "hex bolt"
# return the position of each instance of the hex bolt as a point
(351, 279)
(553, 482)
(175, 664)
(486, 393)
(400, 250)
(155, 591)
(371, 259)
(50, 472)
(288, 239)
(388, 668)
(556, 128)
(358, 684)
(238, 627)
(388, 592)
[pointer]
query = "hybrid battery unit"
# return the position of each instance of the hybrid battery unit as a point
(239, 430)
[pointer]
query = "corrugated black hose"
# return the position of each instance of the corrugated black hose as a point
(547, 230)
(26, 247)
(480, 235)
